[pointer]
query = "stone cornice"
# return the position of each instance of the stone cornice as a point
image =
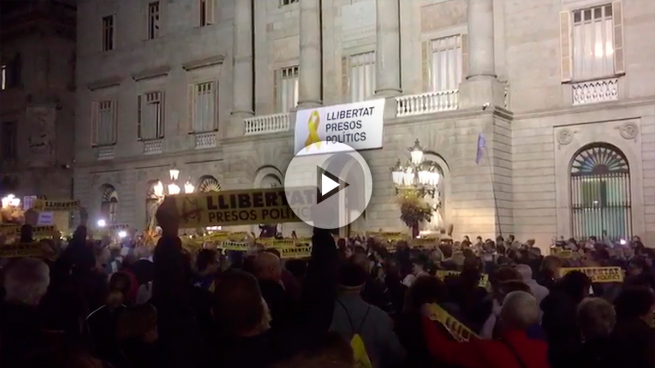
(615, 105)
(166, 158)
(104, 83)
(203, 63)
(151, 73)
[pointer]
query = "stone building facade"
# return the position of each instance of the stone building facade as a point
(37, 97)
(561, 90)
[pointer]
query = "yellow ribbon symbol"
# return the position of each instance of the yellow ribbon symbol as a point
(312, 124)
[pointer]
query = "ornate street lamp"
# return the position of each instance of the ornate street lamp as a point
(417, 174)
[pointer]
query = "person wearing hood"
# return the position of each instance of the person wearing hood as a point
(539, 292)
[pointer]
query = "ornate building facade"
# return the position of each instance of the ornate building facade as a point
(37, 97)
(561, 90)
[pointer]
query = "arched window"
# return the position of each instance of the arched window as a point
(208, 183)
(109, 204)
(600, 193)
(151, 202)
(271, 181)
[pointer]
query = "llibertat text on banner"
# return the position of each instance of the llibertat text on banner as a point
(358, 125)
(244, 207)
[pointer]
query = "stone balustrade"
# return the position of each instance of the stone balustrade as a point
(206, 140)
(595, 91)
(427, 103)
(265, 124)
(152, 147)
(106, 153)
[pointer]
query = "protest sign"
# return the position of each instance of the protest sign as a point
(295, 252)
(233, 245)
(597, 274)
(59, 205)
(424, 242)
(21, 250)
(484, 278)
(14, 230)
(283, 243)
(457, 329)
(244, 207)
(561, 253)
(118, 227)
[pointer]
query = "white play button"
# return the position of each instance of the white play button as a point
(327, 184)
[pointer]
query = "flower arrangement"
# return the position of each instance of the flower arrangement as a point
(414, 210)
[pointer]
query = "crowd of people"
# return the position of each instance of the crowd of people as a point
(353, 303)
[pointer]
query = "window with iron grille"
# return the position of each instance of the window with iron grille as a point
(446, 63)
(362, 76)
(287, 89)
(153, 20)
(151, 116)
(108, 33)
(203, 107)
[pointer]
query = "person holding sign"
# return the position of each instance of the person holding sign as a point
(514, 349)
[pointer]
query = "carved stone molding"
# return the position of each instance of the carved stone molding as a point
(152, 73)
(629, 130)
(564, 137)
(203, 63)
(104, 83)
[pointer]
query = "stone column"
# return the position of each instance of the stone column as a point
(309, 94)
(387, 52)
(481, 86)
(481, 39)
(242, 99)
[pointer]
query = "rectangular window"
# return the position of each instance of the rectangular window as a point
(593, 43)
(362, 76)
(9, 140)
(151, 116)
(3, 77)
(153, 20)
(287, 89)
(446, 63)
(287, 2)
(108, 33)
(104, 123)
(206, 12)
(204, 107)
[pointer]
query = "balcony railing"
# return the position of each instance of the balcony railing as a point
(152, 147)
(595, 91)
(267, 124)
(427, 103)
(106, 152)
(205, 140)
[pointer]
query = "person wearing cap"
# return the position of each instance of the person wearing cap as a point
(352, 315)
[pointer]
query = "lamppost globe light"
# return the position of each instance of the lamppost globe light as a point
(416, 153)
(102, 223)
(158, 189)
(188, 187)
(122, 234)
(173, 189)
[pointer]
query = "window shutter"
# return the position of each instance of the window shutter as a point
(345, 79)
(619, 39)
(465, 55)
(276, 91)
(95, 116)
(209, 11)
(162, 115)
(114, 108)
(566, 61)
(425, 55)
(188, 127)
(139, 104)
(216, 114)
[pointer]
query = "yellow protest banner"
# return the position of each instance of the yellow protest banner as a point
(457, 329)
(59, 205)
(443, 274)
(597, 274)
(424, 242)
(283, 243)
(265, 241)
(295, 252)
(21, 250)
(233, 245)
(237, 236)
(244, 207)
(392, 236)
(14, 230)
(561, 253)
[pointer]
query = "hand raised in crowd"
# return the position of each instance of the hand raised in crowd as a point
(168, 217)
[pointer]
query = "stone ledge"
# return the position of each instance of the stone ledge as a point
(203, 63)
(104, 83)
(151, 73)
